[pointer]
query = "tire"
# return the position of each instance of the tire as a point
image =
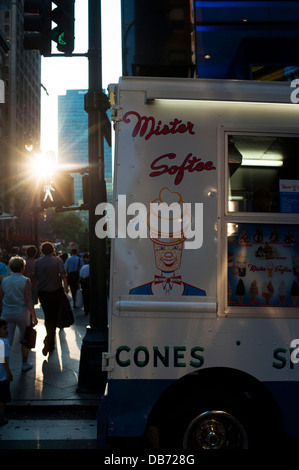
(208, 424)
(215, 430)
(232, 412)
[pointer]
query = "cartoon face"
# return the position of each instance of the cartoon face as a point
(168, 255)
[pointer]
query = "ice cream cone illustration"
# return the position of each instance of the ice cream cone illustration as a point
(169, 216)
(270, 268)
(267, 291)
(240, 291)
(253, 291)
(271, 288)
(241, 263)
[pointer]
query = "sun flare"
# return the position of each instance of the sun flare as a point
(43, 166)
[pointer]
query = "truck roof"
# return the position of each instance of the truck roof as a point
(208, 89)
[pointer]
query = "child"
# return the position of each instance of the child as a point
(5, 373)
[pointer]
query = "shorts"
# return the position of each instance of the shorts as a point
(5, 396)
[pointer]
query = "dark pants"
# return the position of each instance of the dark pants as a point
(72, 279)
(5, 396)
(85, 293)
(50, 302)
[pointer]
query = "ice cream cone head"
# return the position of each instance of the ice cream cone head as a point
(169, 216)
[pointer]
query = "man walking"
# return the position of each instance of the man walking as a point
(50, 273)
(72, 267)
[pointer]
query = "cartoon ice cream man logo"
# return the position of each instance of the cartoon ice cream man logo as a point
(168, 247)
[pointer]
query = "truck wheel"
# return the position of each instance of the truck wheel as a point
(207, 422)
(215, 430)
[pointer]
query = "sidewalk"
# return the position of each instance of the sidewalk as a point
(53, 379)
(45, 411)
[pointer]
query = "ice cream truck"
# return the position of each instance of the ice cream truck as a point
(203, 307)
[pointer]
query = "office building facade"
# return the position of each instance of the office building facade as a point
(20, 121)
(73, 140)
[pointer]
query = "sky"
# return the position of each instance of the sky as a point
(61, 74)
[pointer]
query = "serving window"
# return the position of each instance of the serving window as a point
(263, 175)
(262, 223)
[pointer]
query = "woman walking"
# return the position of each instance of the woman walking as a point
(17, 305)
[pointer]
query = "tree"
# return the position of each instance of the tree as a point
(67, 226)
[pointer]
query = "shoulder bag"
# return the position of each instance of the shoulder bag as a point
(29, 339)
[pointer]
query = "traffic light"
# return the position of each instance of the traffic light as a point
(38, 31)
(63, 34)
(58, 191)
(37, 25)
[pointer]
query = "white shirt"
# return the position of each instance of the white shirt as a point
(84, 271)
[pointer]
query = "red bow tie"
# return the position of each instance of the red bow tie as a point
(168, 280)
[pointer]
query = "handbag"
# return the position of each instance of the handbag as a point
(29, 339)
(65, 316)
(79, 298)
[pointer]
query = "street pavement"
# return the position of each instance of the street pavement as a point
(46, 412)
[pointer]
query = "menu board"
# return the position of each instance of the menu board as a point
(263, 265)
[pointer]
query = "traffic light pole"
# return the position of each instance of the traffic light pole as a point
(91, 377)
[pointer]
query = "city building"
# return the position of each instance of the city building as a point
(73, 140)
(4, 217)
(20, 121)
(245, 40)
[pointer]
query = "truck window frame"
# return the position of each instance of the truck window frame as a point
(227, 217)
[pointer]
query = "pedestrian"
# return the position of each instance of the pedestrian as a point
(84, 282)
(63, 256)
(72, 267)
(5, 372)
(17, 305)
(29, 271)
(50, 274)
(3, 268)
